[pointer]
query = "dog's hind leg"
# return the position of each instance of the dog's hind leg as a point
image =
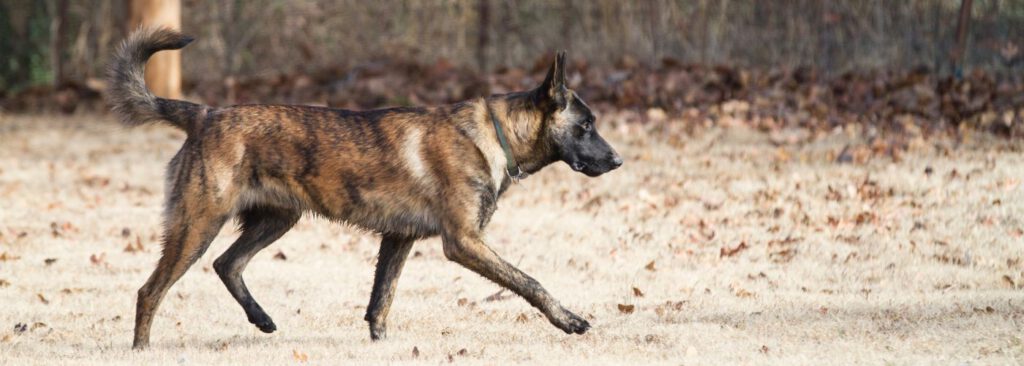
(393, 252)
(261, 226)
(191, 224)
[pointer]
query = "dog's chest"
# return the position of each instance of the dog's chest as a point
(496, 162)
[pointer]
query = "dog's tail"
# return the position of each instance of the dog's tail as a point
(127, 93)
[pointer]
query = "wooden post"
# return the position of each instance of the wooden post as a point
(163, 72)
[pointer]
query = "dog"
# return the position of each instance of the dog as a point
(405, 173)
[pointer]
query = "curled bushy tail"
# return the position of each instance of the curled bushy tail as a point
(127, 93)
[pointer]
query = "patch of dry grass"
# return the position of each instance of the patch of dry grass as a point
(730, 249)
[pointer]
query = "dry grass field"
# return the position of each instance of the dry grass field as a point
(724, 246)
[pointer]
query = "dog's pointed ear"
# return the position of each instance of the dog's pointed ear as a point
(553, 87)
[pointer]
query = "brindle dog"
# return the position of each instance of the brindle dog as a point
(406, 173)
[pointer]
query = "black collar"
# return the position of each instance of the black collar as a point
(511, 168)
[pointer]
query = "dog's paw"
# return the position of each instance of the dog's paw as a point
(263, 322)
(378, 332)
(140, 345)
(571, 323)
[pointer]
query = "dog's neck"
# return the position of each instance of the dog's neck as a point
(523, 125)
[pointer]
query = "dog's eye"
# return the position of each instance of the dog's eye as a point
(587, 124)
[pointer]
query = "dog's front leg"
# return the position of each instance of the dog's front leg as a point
(467, 249)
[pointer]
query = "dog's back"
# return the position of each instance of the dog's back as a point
(381, 170)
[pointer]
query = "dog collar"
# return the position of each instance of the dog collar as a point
(511, 168)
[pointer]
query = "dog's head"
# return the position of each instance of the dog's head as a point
(571, 127)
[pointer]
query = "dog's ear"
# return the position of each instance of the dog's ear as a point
(553, 88)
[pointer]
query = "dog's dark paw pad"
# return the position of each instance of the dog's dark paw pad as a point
(268, 327)
(581, 328)
(578, 325)
(573, 324)
(264, 323)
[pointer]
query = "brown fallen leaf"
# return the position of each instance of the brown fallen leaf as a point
(98, 259)
(280, 256)
(783, 256)
(8, 257)
(637, 292)
(729, 252)
(864, 217)
(741, 292)
(1009, 281)
(462, 352)
(705, 230)
(42, 299)
(135, 247)
(49, 261)
(59, 230)
(415, 351)
(626, 309)
(4, 283)
(987, 309)
(712, 206)
(299, 356)
(650, 267)
(95, 181)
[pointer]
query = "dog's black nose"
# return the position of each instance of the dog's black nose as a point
(616, 161)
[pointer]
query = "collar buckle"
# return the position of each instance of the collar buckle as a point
(515, 174)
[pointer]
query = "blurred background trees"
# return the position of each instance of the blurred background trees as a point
(805, 62)
(53, 40)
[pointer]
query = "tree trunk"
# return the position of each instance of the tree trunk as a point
(163, 72)
(962, 26)
(60, 11)
(484, 22)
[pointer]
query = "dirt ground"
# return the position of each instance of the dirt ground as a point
(725, 246)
